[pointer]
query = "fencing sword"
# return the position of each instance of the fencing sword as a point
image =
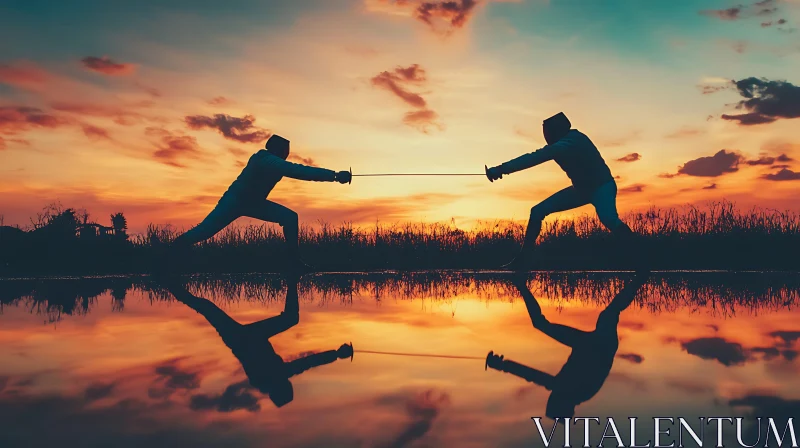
(485, 173)
(418, 355)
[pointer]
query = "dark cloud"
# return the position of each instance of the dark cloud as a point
(710, 187)
(392, 81)
(107, 66)
(749, 119)
(235, 397)
(787, 336)
(219, 101)
(632, 357)
(759, 8)
(769, 160)
(172, 147)
(707, 89)
(632, 157)
(722, 162)
(98, 391)
(733, 13)
(14, 119)
(766, 101)
(397, 82)
(453, 13)
(637, 326)
(171, 378)
(771, 23)
(779, 409)
(635, 188)
(95, 132)
(233, 128)
(421, 410)
(717, 349)
(3, 382)
(782, 175)
(423, 120)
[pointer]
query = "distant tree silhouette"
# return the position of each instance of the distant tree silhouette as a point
(120, 225)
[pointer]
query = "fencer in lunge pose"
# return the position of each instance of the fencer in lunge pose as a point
(593, 353)
(592, 182)
(265, 369)
(247, 196)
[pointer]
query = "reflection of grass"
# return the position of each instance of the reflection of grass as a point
(718, 293)
(716, 237)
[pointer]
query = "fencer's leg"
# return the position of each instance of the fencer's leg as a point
(223, 214)
(565, 199)
(604, 200)
(273, 212)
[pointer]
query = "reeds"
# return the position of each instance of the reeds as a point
(718, 236)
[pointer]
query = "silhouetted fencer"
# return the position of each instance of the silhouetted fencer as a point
(592, 182)
(265, 369)
(247, 196)
(591, 359)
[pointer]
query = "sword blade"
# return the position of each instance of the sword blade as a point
(417, 174)
(423, 355)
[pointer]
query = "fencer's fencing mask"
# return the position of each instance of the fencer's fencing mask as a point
(556, 127)
(278, 145)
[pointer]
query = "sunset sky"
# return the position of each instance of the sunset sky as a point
(151, 108)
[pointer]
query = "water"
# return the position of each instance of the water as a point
(119, 362)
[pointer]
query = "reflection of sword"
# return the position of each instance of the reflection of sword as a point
(423, 355)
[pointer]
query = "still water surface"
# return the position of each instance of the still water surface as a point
(120, 362)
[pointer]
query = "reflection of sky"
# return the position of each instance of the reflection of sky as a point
(91, 379)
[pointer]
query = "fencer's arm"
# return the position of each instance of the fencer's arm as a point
(300, 365)
(301, 172)
(534, 158)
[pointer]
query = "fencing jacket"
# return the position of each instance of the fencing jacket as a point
(575, 154)
(264, 170)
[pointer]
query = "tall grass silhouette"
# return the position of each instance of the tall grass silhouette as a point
(718, 236)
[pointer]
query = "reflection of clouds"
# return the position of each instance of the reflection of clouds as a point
(688, 385)
(631, 357)
(235, 397)
(98, 391)
(729, 353)
(422, 409)
(171, 378)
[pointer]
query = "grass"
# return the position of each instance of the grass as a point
(718, 236)
(721, 294)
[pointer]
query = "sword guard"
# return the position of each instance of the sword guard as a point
(486, 169)
(350, 182)
(352, 352)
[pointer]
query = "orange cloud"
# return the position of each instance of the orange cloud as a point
(23, 74)
(173, 147)
(391, 81)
